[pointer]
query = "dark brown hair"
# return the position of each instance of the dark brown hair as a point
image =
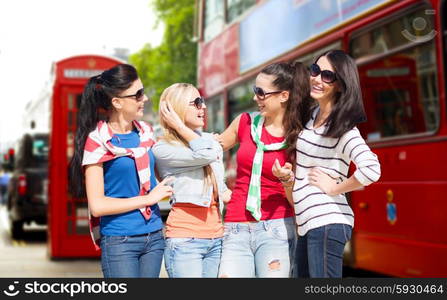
(97, 96)
(294, 78)
(348, 109)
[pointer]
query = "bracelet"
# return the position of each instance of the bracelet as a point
(291, 178)
(287, 185)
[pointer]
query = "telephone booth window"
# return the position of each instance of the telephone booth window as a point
(77, 209)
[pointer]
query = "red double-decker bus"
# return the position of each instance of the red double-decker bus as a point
(399, 47)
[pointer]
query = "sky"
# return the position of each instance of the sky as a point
(35, 33)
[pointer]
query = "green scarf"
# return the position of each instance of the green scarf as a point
(254, 191)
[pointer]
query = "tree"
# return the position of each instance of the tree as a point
(175, 59)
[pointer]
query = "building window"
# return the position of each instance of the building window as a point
(214, 18)
(236, 8)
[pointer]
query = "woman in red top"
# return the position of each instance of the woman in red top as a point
(259, 232)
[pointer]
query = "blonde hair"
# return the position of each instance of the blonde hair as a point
(177, 95)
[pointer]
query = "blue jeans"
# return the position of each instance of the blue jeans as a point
(132, 256)
(319, 252)
(192, 257)
(258, 249)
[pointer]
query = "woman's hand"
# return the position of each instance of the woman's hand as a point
(226, 196)
(170, 116)
(323, 181)
(283, 173)
(218, 138)
(287, 177)
(160, 191)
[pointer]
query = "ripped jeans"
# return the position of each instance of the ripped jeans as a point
(258, 249)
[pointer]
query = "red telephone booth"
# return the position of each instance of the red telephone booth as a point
(68, 228)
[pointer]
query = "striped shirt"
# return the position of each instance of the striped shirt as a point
(314, 208)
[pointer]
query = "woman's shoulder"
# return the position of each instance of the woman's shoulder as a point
(145, 126)
(353, 133)
(211, 137)
(245, 118)
(163, 143)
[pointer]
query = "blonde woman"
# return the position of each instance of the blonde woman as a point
(194, 226)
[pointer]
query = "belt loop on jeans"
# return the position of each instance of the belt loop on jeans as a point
(266, 225)
(235, 228)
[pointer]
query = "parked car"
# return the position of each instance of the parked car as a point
(27, 188)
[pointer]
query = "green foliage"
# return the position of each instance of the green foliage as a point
(175, 59)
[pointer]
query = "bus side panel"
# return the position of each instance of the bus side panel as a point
(400, 221)
(398, 257)
(219, 61)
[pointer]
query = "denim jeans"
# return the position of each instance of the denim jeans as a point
(132, 256)
(319, 252)
(192, 257)
(258, 249)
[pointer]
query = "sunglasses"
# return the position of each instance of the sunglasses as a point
(139, 95)
(326, 75)
(260, 93)
(198, 102)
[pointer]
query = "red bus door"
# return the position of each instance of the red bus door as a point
(394, 216)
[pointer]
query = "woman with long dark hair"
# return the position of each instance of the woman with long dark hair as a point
(259, 229)
(324, 149)
(115, 159)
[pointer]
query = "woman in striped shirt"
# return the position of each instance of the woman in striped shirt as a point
(327, 144)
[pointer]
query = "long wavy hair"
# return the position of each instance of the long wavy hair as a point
(294, 78)
(178, 95)
(96, 100)
(347, 110)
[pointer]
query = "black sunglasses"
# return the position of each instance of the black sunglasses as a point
(260, 93)
(198, 102)
(326, 75)
(139, 95)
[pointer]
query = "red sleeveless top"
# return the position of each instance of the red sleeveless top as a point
(274, 204)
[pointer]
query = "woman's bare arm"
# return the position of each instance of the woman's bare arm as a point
(228, 139)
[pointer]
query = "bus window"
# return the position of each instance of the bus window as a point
(392, 35)
(240, 99)
(214, 18)
(236, 8)
(215, 114)
(309, 58)
(399, 85)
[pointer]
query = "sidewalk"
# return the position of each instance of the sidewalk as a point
(28, 258)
